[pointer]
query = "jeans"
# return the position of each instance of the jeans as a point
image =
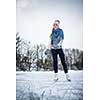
(59, 52)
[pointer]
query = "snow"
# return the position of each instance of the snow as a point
(40, 86)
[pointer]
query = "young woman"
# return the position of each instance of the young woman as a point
(56, 39)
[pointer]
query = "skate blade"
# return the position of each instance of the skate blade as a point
(69, 80)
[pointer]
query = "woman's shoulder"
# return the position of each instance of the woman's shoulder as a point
(59, 28)
(61, 31)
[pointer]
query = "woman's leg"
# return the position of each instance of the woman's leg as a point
(62, 57)
(55, 60)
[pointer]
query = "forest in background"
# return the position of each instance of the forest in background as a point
(38, 57)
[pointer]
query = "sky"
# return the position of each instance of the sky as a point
(34, 20)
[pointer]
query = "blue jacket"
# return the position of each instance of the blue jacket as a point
(56, 37)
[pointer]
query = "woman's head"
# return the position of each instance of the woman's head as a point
(56, 24)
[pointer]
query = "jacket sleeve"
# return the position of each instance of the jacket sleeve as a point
(61, 38)
(61, 34)
(51, 39)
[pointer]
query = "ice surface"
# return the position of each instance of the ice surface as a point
(40, 86)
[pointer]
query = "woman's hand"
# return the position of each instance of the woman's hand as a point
(49, 45)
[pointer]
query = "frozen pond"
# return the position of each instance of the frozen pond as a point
(40, 86)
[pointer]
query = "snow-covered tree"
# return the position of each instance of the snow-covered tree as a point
(18, 51)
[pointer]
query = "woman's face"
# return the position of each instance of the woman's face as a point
(55, 26)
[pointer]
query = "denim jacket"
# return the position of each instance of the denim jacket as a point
(57, 37)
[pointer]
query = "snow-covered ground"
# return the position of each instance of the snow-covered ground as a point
(40, 86)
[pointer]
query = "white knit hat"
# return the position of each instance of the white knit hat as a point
(57, 22)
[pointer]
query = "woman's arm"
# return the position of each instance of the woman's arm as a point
(49, 44)
(60, 43)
